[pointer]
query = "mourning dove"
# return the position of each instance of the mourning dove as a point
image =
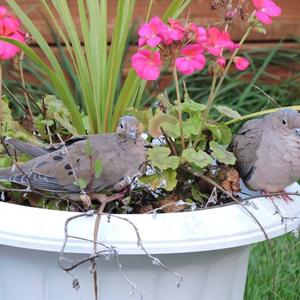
(121, 153)
(35, 150)
(268, 151)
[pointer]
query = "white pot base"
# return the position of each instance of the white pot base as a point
(211, 275)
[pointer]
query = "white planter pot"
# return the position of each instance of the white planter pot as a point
(209, 248)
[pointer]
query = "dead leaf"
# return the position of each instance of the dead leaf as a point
(168, 204)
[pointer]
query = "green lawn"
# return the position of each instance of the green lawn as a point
(260, 273)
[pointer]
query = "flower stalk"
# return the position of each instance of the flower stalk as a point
(216, 87)
(175, 75)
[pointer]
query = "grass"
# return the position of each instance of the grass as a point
(260, 272)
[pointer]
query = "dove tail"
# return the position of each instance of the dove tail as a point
(26, 148)
(6, 173)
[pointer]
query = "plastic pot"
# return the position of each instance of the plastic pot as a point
(209, 248)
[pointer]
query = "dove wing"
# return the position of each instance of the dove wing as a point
(35, 150)
(56, 171)
(244, 146)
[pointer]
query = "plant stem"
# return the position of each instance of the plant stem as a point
(260, 113)
(24, 86)
(207, 110)
(178, 106)
(149, 10)
(231, 61)
(215, 89)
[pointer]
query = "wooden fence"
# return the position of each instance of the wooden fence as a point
(284, 27)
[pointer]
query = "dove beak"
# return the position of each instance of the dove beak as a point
(297, 131)
(132, 135)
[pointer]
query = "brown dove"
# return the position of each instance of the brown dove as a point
(268, 151)
(122, 154)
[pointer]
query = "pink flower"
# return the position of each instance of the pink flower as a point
(7, 50)
(9, 27)
(192, 60)
(147, 64)
(265, 9)
(221, 61)
(199, 32)
(217, 41)
(174, 32)
(241, 63)
(8, 23)
(149, 32)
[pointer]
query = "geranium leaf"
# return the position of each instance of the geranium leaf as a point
(166, 179)
(221, 154)
(159, 156)
(158, 121)
(190, 106)
(228, 112)
(170, 179)
(198, 158)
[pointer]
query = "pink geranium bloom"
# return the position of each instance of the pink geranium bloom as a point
(9, 27)
(199, 32)
(265, 9)
(8, 23)
(221, 61)
(192, 59)
(7, 50)
(218, 41)
(149, 32)
(147, 64)
(174, 32)
(241, 63)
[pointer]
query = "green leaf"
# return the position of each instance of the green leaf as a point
(225, 133)
(190, 126)
(215, 130)
(154, 181)
(81, 183)
(171, 130)
(221, 154)
(165, 101)
(57, 110)
(5, 161)
(98, 168)
(190, 106)
(197, 195)
(88, 149)
(159, 156)
(10, 127)
(199, 159)
(4, 183)
(169, 176)
(228, 112)
(159, 120)
(167, 180)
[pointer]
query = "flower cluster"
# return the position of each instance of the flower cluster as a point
(189, 46)
(265, 9)
(185, 46)
(9, 27)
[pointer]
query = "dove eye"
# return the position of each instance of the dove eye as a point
(121, 125)
(284, 122)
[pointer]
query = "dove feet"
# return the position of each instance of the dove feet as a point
(281, 194)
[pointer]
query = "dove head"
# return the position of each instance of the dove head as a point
(128, 128)
(286, 121)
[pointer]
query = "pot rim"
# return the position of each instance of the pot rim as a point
(195, 231)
